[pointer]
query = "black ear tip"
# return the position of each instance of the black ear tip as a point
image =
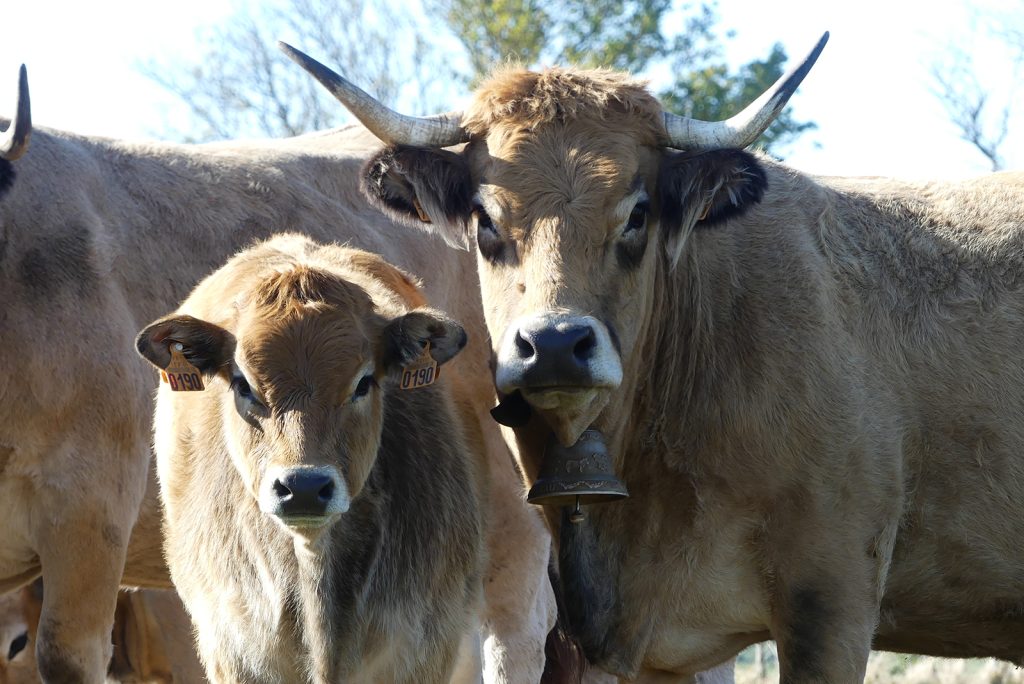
(142, 343)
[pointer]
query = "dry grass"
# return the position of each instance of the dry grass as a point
(759, 665)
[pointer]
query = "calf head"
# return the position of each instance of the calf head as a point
(576, 193)
(297, 365)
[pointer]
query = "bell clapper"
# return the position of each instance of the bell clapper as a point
(577, 515)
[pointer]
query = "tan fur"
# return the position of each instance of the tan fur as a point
(99, 236)
(385, 592)
(820, 417)
(152, 639)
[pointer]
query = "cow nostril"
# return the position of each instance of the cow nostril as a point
(584, 348)
(281, 490)
(326, 492)
(17, 645)
(524, 347)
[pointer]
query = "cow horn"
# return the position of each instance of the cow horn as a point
(440, 130)
(741, 130)
(14, 141)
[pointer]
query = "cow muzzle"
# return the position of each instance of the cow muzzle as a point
(564, 365)
(304, 497)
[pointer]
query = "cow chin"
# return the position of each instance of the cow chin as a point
(568, 411)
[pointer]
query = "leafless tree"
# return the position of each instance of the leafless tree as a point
(978, 110)
(242, 85)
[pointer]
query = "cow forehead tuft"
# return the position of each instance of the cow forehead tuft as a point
(514, 96)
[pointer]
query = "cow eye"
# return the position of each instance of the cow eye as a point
(17, 645)
(241, 387)
(363, 388)
(637, 218)
(483, 221)
(492, 247)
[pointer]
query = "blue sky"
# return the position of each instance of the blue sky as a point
(869, 93)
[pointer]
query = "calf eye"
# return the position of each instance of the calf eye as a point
(363, 388)
(637, 218)
(17, 645)
(241, 387)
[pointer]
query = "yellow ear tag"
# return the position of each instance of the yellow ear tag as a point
(421, 372)
(419, 210)
(181, 375)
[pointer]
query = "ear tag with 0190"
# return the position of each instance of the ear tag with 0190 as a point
(421, 372)
(181, 375)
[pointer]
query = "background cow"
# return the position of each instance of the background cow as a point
(98, 237)
(812, 388)
(152, 638)
(323, 512)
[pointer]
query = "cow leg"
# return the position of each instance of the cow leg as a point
(519, 604)
(81, 535)
(824, 627)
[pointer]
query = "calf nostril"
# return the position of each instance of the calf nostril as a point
(326, 492)
(17, 645)
(281, 490)
(523, 346)
(585, 347)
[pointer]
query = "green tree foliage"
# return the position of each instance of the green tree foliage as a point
(622, 34)
(241, 85)
(627, 35)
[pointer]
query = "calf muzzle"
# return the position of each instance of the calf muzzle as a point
(304, 496)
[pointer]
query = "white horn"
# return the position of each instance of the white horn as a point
(440, 130)
(741, 130)
(14, 141)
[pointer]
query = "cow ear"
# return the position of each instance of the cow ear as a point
(208, 347)
(405, 337)
(703, 189)
(428, 188)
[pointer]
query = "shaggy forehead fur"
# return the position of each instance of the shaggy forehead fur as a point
(306, 331)
(513, 96)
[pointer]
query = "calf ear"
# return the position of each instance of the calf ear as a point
(702, 189)
(208, 347)
(428, 188)
(406, 336)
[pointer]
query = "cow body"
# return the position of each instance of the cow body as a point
(811, 387)
(381, 583)
(99, 236)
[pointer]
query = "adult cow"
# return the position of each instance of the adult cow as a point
(100, 236)
(812, 387)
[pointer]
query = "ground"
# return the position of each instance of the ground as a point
(759, 665)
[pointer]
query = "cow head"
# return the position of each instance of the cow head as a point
(576, 189)
(299, 359)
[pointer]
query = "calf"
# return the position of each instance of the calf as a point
(322, 524)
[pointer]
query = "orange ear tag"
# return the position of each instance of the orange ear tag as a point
(181, 375)
(421, 372)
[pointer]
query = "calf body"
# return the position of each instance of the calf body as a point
(323, 525)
